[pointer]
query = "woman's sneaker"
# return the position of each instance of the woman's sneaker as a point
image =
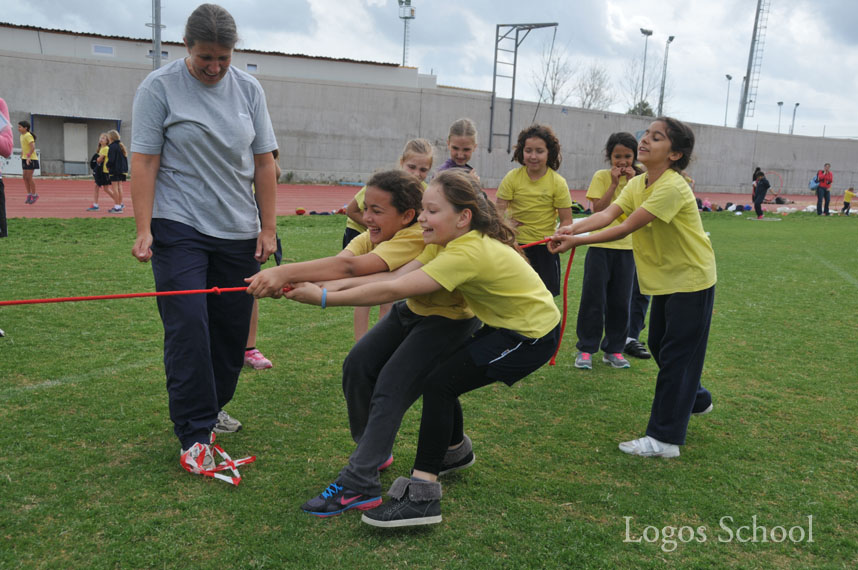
(336, 500)
(584, 360)
(413, 503)
(650, 447)
(92, 208)
(254, 359)
(197, 459)
(226, 423)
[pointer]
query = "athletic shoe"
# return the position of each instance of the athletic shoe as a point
(197, 458)
(29, 199)
(92, 208)
(36, 197)
(457, 459)
(649, 447)
(616, 360)
(759, 217)
(387, 463)
(226, 423)
(708, 409)
(413, 503)
(254, 359)
(637, 349)
(336, 500)
(584, 360)
(117, 209)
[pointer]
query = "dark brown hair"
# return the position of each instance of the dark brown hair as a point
(464, 193)
(545, 133)
(629, 141)
(681, 140)
(26, 125)
(406, 191)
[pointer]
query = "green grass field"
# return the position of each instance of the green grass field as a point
(89, 472)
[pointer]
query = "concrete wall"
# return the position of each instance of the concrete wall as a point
(341, 129)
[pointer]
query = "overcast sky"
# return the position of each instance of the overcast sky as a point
(809, 56)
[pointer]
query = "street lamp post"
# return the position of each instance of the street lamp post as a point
(792, 126)
(647, 34)
(780, 108)
(664, 75)
(727, 105)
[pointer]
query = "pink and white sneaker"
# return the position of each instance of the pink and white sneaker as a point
(254, 359)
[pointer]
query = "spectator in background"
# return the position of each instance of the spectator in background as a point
(823, 192)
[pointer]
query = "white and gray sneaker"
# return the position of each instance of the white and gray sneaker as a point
(649, 447)
(197, 458)
(226, 423)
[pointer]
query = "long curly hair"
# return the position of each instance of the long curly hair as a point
(545, 133)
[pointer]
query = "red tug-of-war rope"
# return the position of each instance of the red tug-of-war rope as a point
(219, 290)
(553, 360)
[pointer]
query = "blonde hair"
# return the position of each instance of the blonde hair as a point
(420, 147)
(463, 128)
(113, 136)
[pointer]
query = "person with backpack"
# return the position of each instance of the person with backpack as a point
(823, 191)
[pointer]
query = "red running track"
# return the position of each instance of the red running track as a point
(69, 198)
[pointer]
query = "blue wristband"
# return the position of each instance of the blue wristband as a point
(324, 296)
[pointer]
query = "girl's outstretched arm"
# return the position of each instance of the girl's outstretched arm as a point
(567, 238)
(369, 294)
(270, 282)
(351, 282)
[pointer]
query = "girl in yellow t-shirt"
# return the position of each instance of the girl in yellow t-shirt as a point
(676, 265)
(535, 196)
(472, 252)
(609, 268)
(29, 160)
(416, 159)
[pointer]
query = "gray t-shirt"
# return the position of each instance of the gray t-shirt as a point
(206, 136)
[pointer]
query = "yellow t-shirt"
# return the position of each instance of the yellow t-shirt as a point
(672, 253)
(404, 246)
(28, 146)
(598, 186)
(848, 195)
(534, 203)
(103, 152)
(359, 198)
(498, 284)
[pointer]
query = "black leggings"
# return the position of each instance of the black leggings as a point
(491, 355)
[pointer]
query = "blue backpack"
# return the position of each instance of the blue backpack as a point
(814, 182)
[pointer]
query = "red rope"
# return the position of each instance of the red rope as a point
(215, 290)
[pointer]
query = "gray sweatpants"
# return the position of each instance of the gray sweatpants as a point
(383, 375)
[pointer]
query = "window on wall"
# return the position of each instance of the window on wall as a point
(164, 54)
(252, 67)
(99, 49)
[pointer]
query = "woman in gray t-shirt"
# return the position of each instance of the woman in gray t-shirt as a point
(201, 136)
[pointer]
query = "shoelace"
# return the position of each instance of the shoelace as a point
(332, 490)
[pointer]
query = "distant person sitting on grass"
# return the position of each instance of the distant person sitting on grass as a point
(676, 265)
(761, 187)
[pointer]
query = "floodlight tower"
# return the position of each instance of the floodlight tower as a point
(406, 14)
(755, 61)
(646, 33)
(156, 33)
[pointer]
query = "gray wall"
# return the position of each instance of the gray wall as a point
(333, 131)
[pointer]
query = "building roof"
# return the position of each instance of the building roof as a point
(145, 40)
